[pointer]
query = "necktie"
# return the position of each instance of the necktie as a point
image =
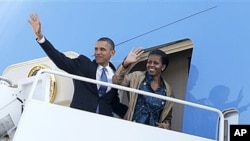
(102, 89)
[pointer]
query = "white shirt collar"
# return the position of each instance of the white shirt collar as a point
(99, 68)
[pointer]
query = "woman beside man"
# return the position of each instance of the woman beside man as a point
(145, 109)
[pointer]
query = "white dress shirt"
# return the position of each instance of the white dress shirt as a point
(109, 73)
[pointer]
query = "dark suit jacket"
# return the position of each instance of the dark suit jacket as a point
(86, 94)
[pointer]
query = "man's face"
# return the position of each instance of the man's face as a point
(103, 52)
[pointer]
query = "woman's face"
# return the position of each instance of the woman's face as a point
(154, 65)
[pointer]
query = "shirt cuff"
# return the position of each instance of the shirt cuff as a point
(41, 41)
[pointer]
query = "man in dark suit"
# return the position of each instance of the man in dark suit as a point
(86, 95)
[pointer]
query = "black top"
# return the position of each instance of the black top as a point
(86, 94)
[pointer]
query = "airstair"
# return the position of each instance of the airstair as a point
(37, 119)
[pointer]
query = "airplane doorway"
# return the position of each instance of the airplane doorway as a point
(176, 74)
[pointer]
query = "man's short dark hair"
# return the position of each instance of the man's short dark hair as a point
(110, 42)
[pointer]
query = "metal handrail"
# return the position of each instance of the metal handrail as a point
(221, 116)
